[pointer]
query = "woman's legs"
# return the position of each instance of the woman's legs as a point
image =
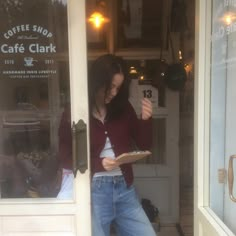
(113, 200)
(131, 220)
(102, 205)
(97, 229)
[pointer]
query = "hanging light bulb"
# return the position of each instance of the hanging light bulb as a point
(228, 20)
(97, 18)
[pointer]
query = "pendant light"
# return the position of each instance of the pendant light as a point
(97, 17)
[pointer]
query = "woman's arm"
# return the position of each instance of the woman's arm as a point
(141, 129)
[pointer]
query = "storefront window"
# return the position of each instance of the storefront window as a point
(223, 112)
(127, 24)
(34, 91)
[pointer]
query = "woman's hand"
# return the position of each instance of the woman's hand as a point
(109, 164)
(146, 109)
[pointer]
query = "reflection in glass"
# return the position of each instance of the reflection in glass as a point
(217, 110)
(34, 89)
(139, 23)
(222, 110)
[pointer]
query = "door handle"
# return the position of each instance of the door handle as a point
(79, 147)
(231, 178)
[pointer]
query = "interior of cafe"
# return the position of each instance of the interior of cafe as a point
(156, 39)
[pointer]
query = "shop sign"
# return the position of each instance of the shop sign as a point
(27, 51)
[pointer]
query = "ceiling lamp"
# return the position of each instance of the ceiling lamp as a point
(97, 19)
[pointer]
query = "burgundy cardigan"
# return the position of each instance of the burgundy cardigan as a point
(125, 133)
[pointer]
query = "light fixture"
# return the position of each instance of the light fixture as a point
(142, 72)
(228, 18)
(132, 70)
(97, 18)
(180, 55)
(188, 67)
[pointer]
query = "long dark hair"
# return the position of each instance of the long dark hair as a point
(101, 74)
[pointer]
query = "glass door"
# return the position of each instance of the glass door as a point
(215, 202)
(43, 117)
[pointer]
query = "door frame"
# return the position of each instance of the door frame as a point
(206, 222)
(73, 215)
(79, 105)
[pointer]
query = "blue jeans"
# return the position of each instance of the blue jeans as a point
(114, 202)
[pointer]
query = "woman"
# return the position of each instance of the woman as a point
(114, 129)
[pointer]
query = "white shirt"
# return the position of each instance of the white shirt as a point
(108, 152)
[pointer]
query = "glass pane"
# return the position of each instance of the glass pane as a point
(139, 23)
(218, 83)
(34, 91)
(223, 112)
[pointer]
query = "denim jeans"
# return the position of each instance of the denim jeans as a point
(114, 202)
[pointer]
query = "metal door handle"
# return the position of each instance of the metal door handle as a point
(79, 147)
(231, 178)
